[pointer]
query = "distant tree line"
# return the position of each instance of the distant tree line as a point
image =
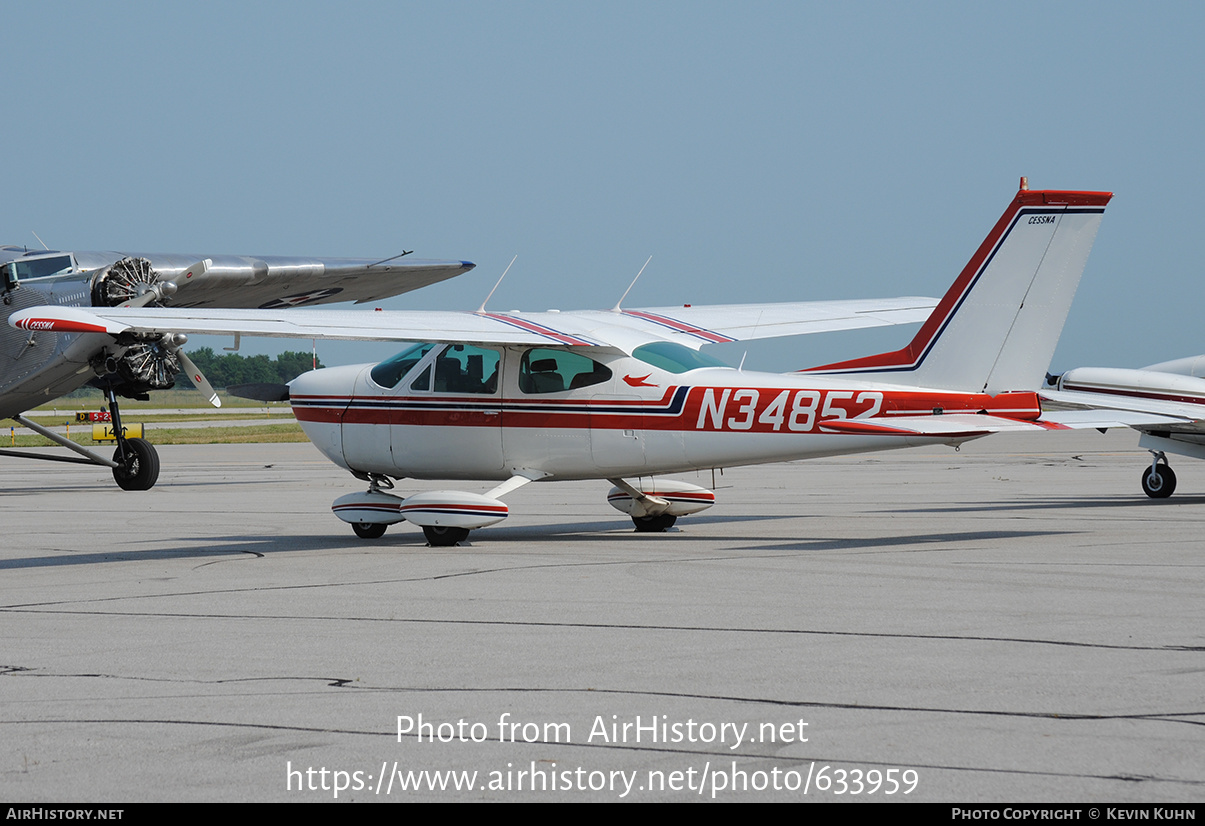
(225, 370)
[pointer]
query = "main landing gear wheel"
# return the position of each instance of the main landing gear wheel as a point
(441, 537)
(654, 524)
(369, 530)
(138, 469)
(1158, 482)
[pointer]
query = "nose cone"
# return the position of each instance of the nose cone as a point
(319, 399)
(327, 382)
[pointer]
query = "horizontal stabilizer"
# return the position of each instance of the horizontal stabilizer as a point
(950, 425)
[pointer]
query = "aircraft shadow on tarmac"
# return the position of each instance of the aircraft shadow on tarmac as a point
(253, 545)
(233, 548)
(954, 538)
(219, 549)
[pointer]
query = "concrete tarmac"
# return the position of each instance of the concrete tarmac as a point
(1013, 622)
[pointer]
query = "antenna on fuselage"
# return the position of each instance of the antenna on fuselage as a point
(481, 309)
(40, 241)
(616, 309)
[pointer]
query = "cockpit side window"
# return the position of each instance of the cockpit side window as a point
(543, 370)
(463, 368)
(40, 267)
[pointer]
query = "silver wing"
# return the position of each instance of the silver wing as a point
(229, 280)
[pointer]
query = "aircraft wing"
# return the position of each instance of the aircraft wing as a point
(280, 282)
(717, 323)
(625, 329)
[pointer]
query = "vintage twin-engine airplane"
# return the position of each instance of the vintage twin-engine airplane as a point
(1164, 402)
(625, 395)
(38, 364)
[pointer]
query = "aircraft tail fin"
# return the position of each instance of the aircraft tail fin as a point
(996, 328)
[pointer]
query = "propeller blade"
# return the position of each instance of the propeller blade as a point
(163, 289)
(197, 269)
(199, 379)
(261, 392)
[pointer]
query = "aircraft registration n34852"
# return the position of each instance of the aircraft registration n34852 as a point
(629, 396)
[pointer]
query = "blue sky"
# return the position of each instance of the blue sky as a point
(758, 151)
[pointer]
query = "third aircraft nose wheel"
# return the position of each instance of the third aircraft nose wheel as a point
(1158, 481)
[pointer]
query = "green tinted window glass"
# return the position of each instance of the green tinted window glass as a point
(675, 358)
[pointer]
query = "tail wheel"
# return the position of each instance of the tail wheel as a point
(368, 530)
(1158, 482)
(441, 537)
(138, 469)
(654, 524)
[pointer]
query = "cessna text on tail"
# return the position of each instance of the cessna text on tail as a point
(628, 396)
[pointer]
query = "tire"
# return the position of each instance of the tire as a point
(441, 537)
(654, 524)
(369, 530)
(1158, 482)
(140, 470)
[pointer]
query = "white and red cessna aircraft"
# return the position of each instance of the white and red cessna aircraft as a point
(1164, 402)
(627, 396)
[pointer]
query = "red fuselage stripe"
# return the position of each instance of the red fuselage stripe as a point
(756, 410)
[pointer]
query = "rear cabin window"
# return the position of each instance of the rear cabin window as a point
(554, 371)
(674, 358)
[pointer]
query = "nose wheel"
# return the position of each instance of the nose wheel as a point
(137, 465)
(1158, 481)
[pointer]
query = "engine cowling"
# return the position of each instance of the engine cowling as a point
(123, 281)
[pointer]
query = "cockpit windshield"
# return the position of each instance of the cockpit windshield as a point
(674, 358)
(389, 372)
(28, 268)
